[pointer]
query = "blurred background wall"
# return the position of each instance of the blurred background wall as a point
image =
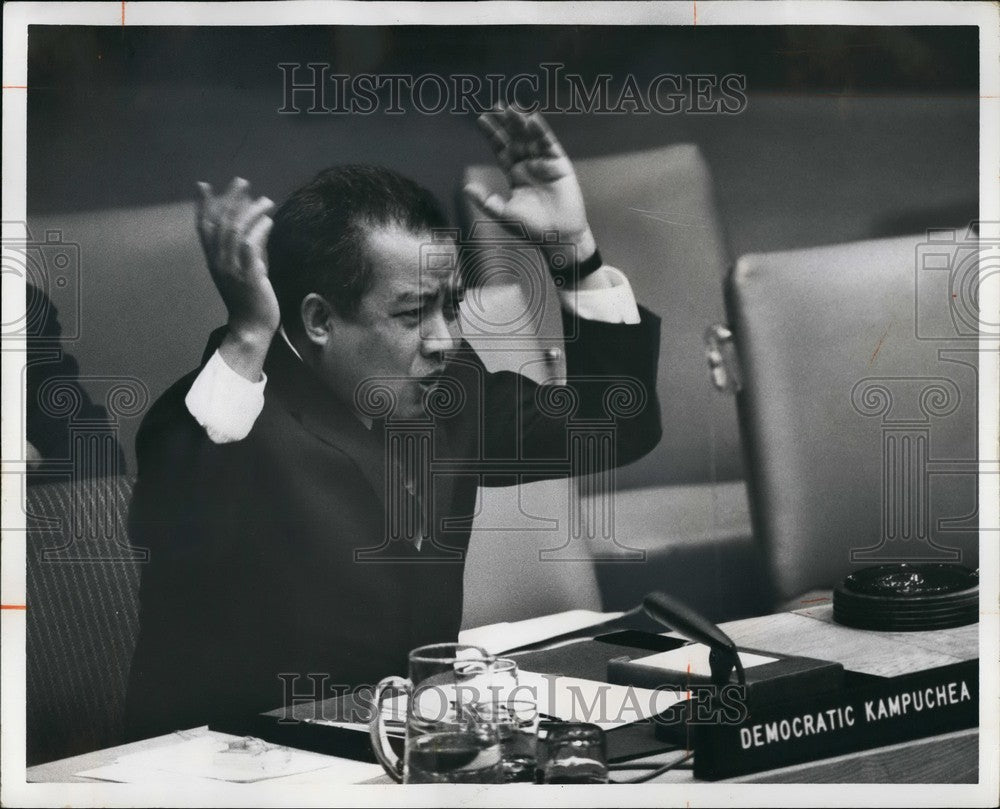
(848, 133)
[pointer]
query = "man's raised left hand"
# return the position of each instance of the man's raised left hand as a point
(544, 192)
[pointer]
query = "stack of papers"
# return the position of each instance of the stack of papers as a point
(573, 699)
(499, 638)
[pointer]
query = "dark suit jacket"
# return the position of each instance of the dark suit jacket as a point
(253, 568)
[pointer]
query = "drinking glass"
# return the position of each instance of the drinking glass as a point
(503, 680)
(446, 742)
(516, 723)
(571, 753)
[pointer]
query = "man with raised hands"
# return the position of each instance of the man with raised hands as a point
(289, 536)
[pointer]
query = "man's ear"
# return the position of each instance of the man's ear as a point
(317, 320)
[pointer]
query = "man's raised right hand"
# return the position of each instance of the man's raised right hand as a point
(233, 227)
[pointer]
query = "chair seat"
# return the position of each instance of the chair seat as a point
(506, 578)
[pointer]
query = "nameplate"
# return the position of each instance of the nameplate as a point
(883, 711)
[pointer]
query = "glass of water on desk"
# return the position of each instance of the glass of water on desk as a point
(462, 754)
(446, 741)
(516, 723)
(503, 680)
(571, 753)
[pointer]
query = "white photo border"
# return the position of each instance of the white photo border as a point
(19, 15)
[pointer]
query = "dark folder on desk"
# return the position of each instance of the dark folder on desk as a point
(305, 727)
(588, 659)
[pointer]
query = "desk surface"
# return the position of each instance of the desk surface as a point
(809, 631)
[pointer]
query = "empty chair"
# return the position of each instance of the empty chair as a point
(858, 404)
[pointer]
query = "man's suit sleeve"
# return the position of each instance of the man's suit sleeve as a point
(192, 511)
(609, 397)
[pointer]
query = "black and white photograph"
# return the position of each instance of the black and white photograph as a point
(500, 403)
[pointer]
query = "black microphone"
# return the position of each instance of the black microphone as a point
(724, 655)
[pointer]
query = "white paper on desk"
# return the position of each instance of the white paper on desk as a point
(499, 638)
(239, 761)
(573, 699)
(696, 656)
(131, 774)
(341, 771)
(337, 771)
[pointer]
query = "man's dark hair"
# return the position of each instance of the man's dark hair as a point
(317, 243)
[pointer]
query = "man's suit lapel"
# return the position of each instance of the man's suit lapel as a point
(322, 414)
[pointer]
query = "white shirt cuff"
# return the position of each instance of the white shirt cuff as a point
(608, 304)
(225, 403)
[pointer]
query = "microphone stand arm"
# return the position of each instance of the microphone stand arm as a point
(724, 655)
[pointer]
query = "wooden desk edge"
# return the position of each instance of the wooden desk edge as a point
(955, 755)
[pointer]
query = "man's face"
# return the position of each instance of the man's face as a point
(406, 323)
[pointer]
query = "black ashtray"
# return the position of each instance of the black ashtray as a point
(908, 597)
